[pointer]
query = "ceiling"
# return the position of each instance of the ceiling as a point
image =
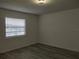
(28, 6)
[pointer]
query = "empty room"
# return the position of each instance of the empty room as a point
(39, 29)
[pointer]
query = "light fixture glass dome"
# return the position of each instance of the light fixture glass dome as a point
(41, 2)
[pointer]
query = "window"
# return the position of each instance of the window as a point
(14, 27)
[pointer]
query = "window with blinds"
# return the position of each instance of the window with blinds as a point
(14, 27)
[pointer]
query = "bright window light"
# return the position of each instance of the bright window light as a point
(14, 27)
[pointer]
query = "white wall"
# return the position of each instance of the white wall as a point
(60, 29)
(7, 44)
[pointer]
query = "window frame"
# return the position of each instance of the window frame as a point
(16, 35)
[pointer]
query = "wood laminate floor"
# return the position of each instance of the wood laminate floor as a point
(39, 51)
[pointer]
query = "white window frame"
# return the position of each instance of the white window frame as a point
(17, 30)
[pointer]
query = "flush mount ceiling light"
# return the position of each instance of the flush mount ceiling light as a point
(41, 2)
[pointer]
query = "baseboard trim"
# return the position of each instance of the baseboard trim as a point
(65, 51)
(17, 48)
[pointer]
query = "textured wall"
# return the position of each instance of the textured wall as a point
(11, 43)
(60, 29)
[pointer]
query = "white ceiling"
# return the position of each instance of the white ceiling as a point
(28, 6)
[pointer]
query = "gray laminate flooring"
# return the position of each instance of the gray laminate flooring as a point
(39, 51)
